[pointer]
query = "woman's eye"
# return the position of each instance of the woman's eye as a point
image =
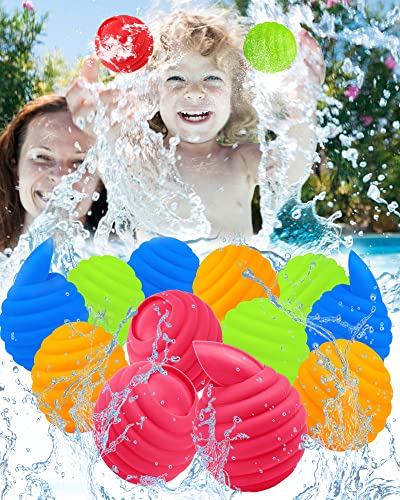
(41, 157)
(213, 78)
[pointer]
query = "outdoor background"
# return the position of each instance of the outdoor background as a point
(42, 43)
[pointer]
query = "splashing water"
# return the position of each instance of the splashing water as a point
(37, 460)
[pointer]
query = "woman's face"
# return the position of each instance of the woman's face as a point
(53, 147)
(195, 98)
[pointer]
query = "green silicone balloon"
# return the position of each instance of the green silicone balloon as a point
(305, 278)
(267, 333)
(108, 284)
(270, 47)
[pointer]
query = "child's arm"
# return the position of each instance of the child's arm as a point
(296, 129)
(83, 97)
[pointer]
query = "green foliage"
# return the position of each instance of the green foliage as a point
(19, 34)
(56, 75)
(25, 75)
(369, 135)
(368, 124)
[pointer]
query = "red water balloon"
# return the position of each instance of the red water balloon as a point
(143, 424)
(187, 318)
(123, 43)
(270, 416)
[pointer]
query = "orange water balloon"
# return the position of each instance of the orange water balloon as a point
(69, 371)
(220, 282)
(346, 391)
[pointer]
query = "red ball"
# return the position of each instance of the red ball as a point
(272, 416)
(189, 318)
(123, 43)
(143, 428)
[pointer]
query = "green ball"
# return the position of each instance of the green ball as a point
(269, 334)
(270, 47)
(108, 285)
(305, 278)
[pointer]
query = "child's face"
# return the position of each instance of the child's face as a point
(53, 147)
(195, 98)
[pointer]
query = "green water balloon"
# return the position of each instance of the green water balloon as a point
(305, 278)
(268, 333)
(270, 47)
(110, 286)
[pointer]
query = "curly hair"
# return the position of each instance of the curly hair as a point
(12, 214)
(215, 32)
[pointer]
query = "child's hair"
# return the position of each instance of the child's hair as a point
(216, 32)
(11, 141)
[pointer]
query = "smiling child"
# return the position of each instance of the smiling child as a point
(203, 98)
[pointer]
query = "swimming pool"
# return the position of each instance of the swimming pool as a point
(381, 252)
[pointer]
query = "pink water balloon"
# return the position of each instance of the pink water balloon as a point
(184, 318)
(143, 423)
(272, 418)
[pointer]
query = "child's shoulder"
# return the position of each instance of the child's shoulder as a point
(250, 155)
(249, 150)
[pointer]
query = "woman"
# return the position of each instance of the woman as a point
(37, 149)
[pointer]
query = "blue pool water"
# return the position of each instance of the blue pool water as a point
(385, 244)
(381, 252)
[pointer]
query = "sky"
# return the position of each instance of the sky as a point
(72, 24)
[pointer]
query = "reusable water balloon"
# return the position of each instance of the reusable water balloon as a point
(109, 286)
(354, 311)
(220, 282)
(304, 279)
(36, 304)
(266, 408)
(268, 333)
(69, 371)
(164, 264)
(346, 391)
(123, 43)
(143, 424)
(270, 47)
(185, 318)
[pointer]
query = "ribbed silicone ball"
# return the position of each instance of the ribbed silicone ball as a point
(354, 311)
(346, 391)
(36, 304)
(186, 318)
(164, 264)
(268, 333)
(305, 278)
(272, 417)
(70, 369)
(123, 43)
(143, 424)
(109, 286)
(220, 282)
(270, 47)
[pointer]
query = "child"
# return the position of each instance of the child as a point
(37, 149)
(203, 98)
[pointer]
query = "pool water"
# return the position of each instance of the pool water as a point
(381, 252)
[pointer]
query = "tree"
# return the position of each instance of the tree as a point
(19, 34)
(360, 165)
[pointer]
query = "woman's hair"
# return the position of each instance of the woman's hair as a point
(215, 32)
(11, 141)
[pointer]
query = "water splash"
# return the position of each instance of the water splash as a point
(45, 463)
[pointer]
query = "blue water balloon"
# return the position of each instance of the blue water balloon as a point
(164, 263)
(36, 304)
(354, 311)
